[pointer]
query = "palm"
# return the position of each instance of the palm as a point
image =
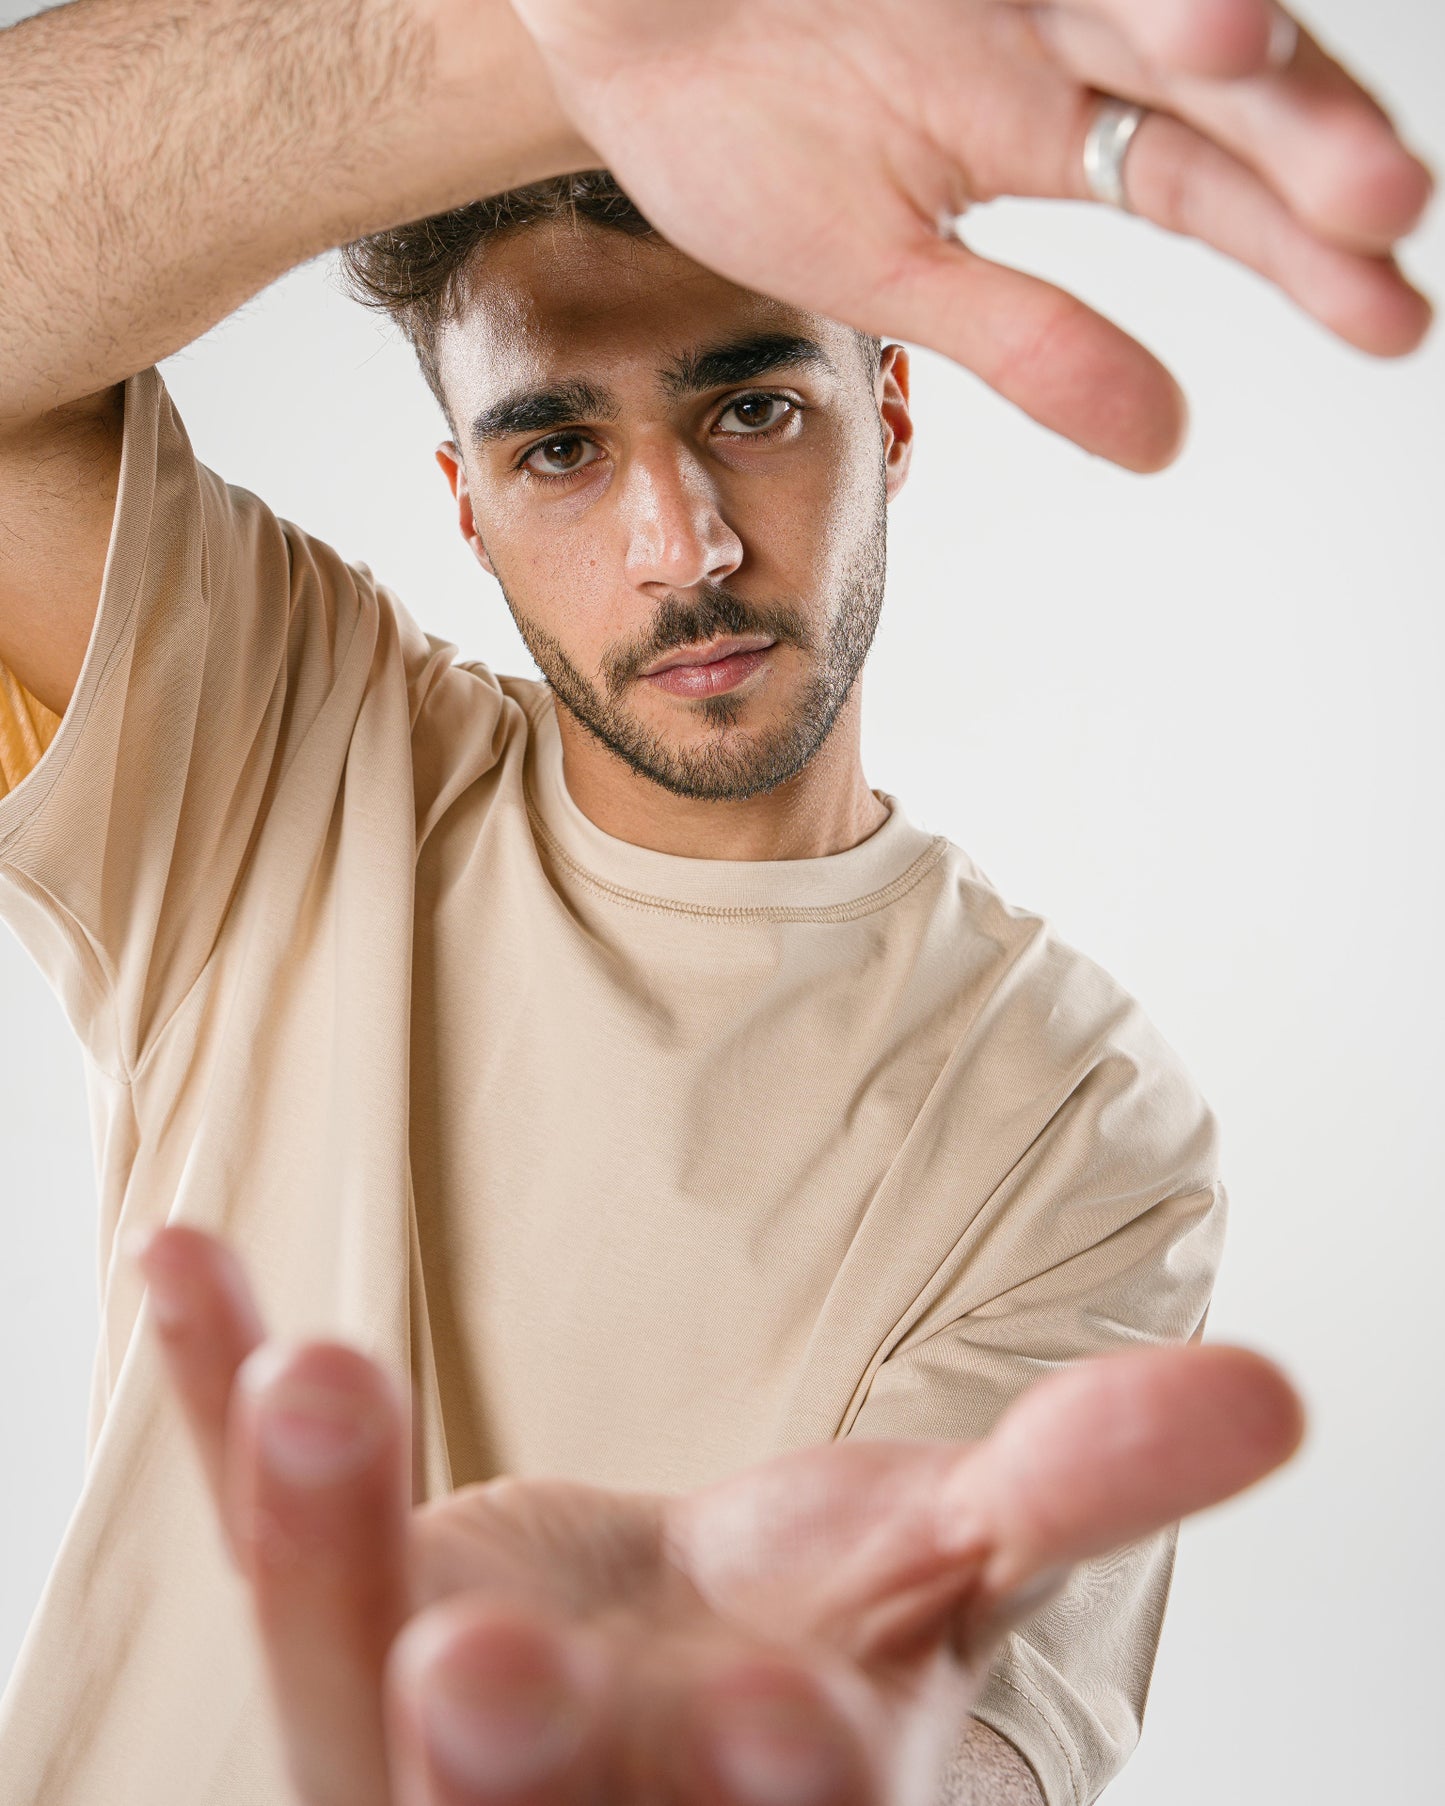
(788, 1548)
(817, 155)
(565, 1552)
(819, 1554)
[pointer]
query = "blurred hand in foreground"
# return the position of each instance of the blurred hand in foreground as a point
(819, 1624)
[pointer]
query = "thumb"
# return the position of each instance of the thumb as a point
(1108, 1452)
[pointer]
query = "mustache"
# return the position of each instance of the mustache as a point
(709, 615)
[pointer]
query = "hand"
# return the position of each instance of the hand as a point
(540, 1641)
(817, 151)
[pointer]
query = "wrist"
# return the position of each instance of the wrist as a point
(494, 104)
(601, 34)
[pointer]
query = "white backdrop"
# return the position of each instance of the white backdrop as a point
(1194, 718)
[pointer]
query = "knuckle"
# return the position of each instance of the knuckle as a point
(1166, 172)
(768, 1727)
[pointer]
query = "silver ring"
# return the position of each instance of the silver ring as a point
(1110, 136)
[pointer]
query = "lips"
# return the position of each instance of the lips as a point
(725, 671)
(710, 653)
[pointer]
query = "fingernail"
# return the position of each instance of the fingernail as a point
(1283, 40)
(774, 1751)
(502, 1735)
(170, 1292)
(309, 1434)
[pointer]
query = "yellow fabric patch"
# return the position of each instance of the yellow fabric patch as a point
(26, 728)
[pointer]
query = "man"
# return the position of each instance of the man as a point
(707, 1147)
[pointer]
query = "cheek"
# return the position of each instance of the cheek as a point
(812, 521)
(568, 593)
(499, 519)
(805, 541)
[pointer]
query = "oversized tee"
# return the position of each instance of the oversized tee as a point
(635, 1169)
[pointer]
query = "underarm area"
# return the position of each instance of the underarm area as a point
(986, 1770)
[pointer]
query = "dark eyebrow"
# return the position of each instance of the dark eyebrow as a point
(535, 410)
(693, 373)
(740, 360)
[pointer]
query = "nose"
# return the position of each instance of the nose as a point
(677, 534)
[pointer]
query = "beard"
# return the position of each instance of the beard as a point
(729, 766)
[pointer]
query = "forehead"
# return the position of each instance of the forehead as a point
(561, 300)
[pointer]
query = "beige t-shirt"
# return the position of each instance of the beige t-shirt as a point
(641, 1168)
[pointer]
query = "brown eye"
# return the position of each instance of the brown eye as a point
(756, 412)
(555, 450)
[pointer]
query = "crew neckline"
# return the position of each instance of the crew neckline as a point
(888, 855)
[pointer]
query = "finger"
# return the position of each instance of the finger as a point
(1110, 1451)
(1320, 140)
(748, 1725)
(319, 1494)
(1208, 37)
(1326, 144)
(1180, 180)
(487, 1702)
(1177, 178)
(1041, 348)
(207, 1323)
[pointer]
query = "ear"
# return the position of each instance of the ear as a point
(892, 397)
(454, 470)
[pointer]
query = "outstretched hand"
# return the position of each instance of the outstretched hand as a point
(819, 151)
(813, 1629)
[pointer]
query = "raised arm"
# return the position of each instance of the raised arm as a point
(164, 160)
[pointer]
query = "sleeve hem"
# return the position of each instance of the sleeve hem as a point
(115, 611)
(1023, 1720)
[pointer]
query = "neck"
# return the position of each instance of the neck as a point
(825, 809)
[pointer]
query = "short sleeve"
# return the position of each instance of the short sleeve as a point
(1106, 1234)
(222, 638)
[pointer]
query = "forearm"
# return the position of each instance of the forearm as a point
(164, 160)
(986, 1770)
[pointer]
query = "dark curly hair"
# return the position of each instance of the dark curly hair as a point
(416, 273)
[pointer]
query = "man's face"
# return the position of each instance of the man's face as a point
(655, 459)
